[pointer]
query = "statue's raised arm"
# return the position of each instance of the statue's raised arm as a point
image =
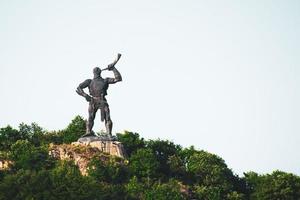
(117, 74)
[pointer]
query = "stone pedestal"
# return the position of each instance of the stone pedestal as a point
(105, 144)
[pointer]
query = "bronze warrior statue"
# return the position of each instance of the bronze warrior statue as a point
(98, 90)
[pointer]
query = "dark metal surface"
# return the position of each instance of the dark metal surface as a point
(97, 91)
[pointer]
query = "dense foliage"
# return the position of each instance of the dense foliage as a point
(155, 169)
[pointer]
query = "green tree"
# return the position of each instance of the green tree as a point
(165, 191)
(74, 130)
(208, 192)
(8, 136)
(2, 174)
(68, 183)
(26, 156)
(131, 142)
(176, 167)
(134, 189)
(186, 153)
(111, 171)
(33, 133)
(53, 137)
(216, 193)
(26, 184)
(155, 190)
(278, 185)
(143, 164)
(163, 150)
(112, 191)
(214, 180)
(236, 196)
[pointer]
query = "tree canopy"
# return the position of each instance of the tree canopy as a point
(155, 169)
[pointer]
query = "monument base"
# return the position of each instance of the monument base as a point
(104, 143)
(91, 138)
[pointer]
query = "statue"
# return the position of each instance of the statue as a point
(98, 90)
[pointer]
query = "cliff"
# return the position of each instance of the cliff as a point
(82, 154)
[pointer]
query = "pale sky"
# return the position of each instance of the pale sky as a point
(220, 75)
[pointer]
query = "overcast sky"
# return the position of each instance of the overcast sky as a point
(220, 75)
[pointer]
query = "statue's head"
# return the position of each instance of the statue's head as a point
(97, 71)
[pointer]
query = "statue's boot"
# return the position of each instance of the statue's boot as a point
(88, 134)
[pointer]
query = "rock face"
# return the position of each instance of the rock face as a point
(82, 151)
(5, 164)
(80, 154)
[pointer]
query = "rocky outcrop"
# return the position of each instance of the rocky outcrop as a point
(81, 154)
(5, 164)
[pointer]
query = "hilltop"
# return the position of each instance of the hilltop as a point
(38, 164)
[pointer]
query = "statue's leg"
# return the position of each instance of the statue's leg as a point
(90, 122)
(108, 122)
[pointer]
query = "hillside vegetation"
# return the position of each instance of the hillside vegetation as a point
(154, 169)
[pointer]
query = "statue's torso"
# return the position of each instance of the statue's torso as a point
(98, 87)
